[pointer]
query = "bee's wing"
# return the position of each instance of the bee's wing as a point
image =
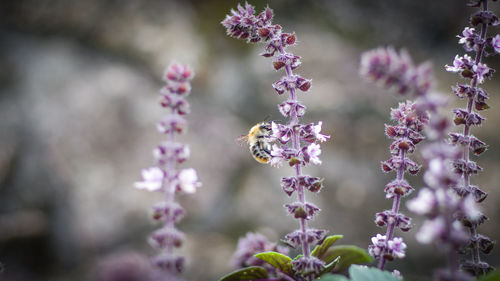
(242, 140)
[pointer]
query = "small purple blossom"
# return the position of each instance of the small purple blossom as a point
(302, 210)
(279, 154)
(468, 33)
(311, 153)
(389, 249)
(495, 43)
(289, 185)
(171, 124)
(471, 209)
(312, 133)
(173, 264)
(469, 38)
(188, 181)
(285, 108)
(397, 187)
(423, 204)
(281, 132)
(171, 150)
(397, 247)
(397, 274)
(308, 266)
(460, 64)
(388, 217)
(482, 71)
(378, 245)
(163, 209)
(431, 230)
(152, 179)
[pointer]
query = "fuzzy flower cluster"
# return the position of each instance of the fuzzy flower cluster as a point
(166, 177)
(251, 244)
(441, 205)
(474, 40)
(295, 144)
(406, 135)
(396, 72)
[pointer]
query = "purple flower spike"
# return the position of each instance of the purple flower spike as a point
(439, 202)
(294, 143)
(475, 40)
(167, 177)
(396, 71)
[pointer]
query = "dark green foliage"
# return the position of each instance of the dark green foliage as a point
(248, 273)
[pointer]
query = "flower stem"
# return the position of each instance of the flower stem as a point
(170, 190)
(466, 132)
(395, 209)
(294, 120)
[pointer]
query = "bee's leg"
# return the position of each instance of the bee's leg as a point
(265, 147)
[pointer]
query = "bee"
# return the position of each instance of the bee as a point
(258, 141)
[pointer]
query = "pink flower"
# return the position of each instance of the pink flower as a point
(424, 203)
(311, 153)
(495, 43)
(281, 132)
(277, 156)
(378, 245)
(431, 230)
(469, 39)
(458, 65)
(397, 246)
(316, 131)
(379, 240)
(471, 208)
(188, 180)
(152, 179)
(482, 71)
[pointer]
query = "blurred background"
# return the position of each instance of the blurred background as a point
(79, 85)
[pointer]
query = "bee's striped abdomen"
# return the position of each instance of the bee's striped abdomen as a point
(261, 152)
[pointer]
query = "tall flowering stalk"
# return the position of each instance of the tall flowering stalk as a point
(438, 201)
(297, 143)
(474, 40)
(166, 177)
(396, 71)
(406, 134)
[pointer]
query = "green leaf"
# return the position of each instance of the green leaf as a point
(281, 262)
(363, 273)
(492, 276)
(329, 267)
(320, 250)
(248, 273)
(333, 277)
(348, 255)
